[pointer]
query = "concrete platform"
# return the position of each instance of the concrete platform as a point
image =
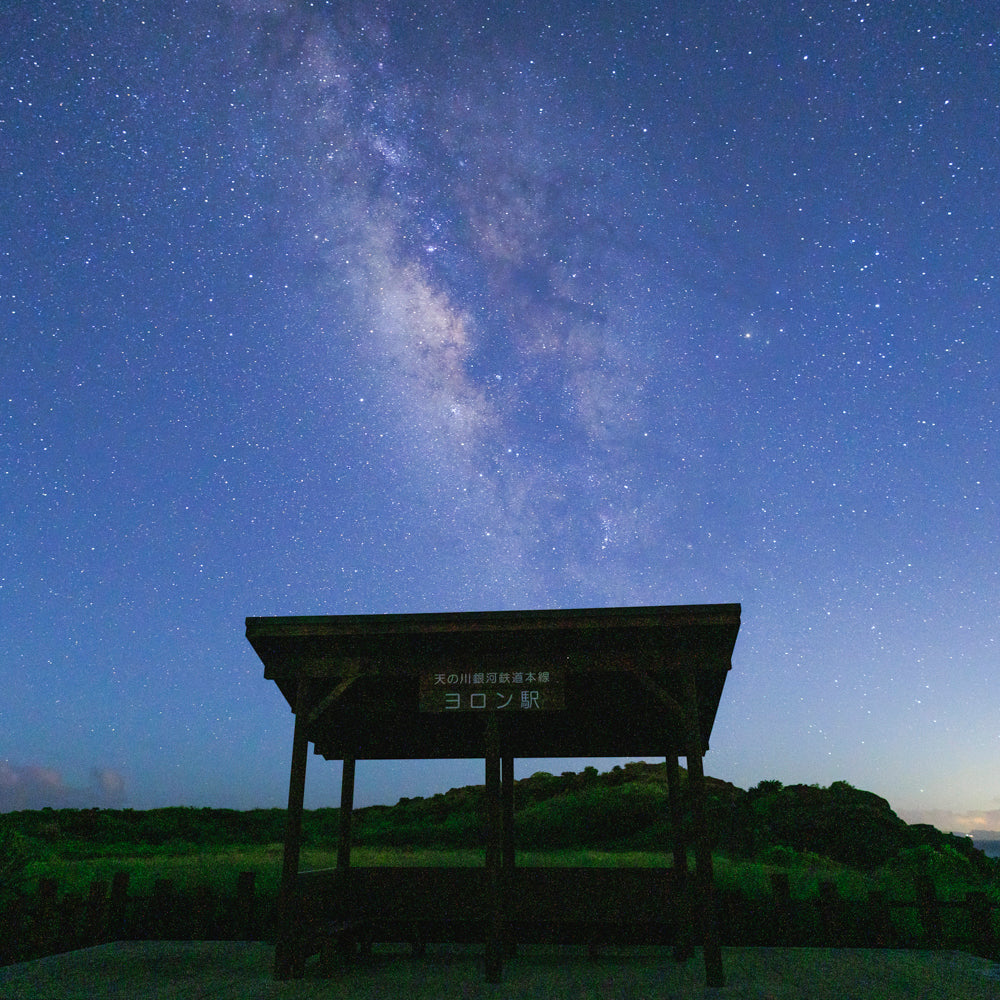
(226, 970)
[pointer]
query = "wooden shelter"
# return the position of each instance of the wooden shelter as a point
(599, 682)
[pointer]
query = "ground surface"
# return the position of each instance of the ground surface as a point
(242, 971)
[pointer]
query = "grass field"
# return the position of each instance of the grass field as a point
(220, 867)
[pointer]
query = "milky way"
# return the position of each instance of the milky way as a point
(468, 206)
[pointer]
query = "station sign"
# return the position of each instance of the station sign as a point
(451, 690)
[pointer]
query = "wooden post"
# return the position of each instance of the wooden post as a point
(346, 813)
(981, 924)
(703, 846)
(509, 857)
(69, 922)
(14, 941)
(929, 908)
(245, 922)
(494, 859)
(703, 872)
(117, 904)
(96, 914)
(161, 912)
(203, 913)
(881, 920)
(782, 892)
(45, 929)
(829, 914)
(682, 903)
(287, 964)
(507, 793)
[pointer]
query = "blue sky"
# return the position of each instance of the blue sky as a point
(354, 308)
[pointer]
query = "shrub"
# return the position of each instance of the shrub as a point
(943, 864)
(780, 856)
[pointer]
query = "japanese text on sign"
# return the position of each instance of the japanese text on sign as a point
(488, 690)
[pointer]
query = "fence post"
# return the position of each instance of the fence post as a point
(14, 930)
(782, 907)
(929, 909)
(44, 930)
(830, 914)
(730, 906)
(881, 921)
(70, 915)
(117, 902)
(203, 914)
(160, 913)
(984, 941)
(95, 914)
(244, 927)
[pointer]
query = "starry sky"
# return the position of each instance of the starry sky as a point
(361, 307)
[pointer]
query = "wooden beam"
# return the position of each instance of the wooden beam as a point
(353, 673)
(287, 963)
(677, 719)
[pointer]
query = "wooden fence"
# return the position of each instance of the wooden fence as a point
(48, 921)
(926, 921)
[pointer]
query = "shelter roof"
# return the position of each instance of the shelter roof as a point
(624, 681)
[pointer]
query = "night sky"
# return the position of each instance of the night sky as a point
(324, 308)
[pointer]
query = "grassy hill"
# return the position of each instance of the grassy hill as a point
(622, 809)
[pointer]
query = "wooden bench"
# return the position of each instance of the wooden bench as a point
(342, 909)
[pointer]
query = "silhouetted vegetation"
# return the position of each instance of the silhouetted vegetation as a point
(623, 809)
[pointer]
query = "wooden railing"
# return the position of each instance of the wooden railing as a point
(926, 921)
(47, 921)
(424, 904)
